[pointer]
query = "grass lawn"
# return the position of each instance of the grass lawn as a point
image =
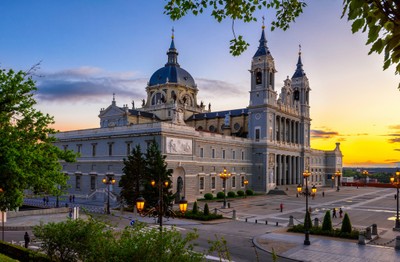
(4, 258)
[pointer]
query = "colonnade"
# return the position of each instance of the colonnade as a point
(288, 170)
(287, 130)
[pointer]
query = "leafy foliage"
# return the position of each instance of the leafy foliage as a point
(346, 224)
(208, 196)
(249, 192)
(28, 159)
(381, 19)
(240, 193)
(327, 223)
(286, 12)
(80, 240)
(318, 231)
(220, 195)
(231, 194)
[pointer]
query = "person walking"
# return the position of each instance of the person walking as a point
(334, 213)
(281, 206)
(27, 239)
(340, 212)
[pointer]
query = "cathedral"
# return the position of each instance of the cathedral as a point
(263, 146)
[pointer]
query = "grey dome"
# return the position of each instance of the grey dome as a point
(172, 74)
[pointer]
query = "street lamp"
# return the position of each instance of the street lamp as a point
(108, 181)
(333, 180)
(338, 174)
(306, 174)
(183, 205)
(245, 182)
(396, 182)
(224, 175)
(365, 173)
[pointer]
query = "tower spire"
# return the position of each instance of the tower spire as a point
(262, 48)
(299, 67)
(172, 52)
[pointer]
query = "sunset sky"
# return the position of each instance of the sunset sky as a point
(90, 49)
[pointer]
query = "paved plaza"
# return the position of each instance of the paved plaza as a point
(262, 217)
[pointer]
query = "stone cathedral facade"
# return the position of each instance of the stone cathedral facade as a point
(266, 143)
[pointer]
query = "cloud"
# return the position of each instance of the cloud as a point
(321, 134)
(394, 140)
(210, 88)
(397, 149)
(81, 84)
(395, 127)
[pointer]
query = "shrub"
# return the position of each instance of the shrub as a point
(206, 209)
(208, 196)
(327, 224)
(201, 216)
(240, 193)
(195, 209)
(21, 253)
(346, 224)
(220, 195)
(307, 220)
(249, 192)
(231, 194)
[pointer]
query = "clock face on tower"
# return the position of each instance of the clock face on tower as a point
(339, 161)
(258, 116)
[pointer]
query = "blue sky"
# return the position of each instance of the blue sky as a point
(92, 49)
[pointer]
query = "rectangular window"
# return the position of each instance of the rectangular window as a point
(93, 167)
(213, 183)
(93, 182)
(128, 148)
(242, 181)
(223, 154)
(94, 149)
(65, 148)
(201, 152)
(201, 183)
(223, 183)
(242, 155)
(233, 181)
(213, 153)
(77, 181)
(110, 149)
(257, 134)
(233, 154)
(78, 148)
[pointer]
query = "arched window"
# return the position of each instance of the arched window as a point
(158, 98)
(258, 78)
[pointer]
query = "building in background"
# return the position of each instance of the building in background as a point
(266, 143)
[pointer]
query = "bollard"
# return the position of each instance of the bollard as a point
(397, 245)
(316, 222)
(234, 214)
(245, 219)
(266, 222)
(374, 229)
(229, 205)
(215, 211)
(291, 222)
(256, 221)
(361, 238)
(277, 224)
(368, 233)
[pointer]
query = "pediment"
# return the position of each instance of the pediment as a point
(112, 111)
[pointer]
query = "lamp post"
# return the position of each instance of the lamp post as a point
(224, 175)
(306, 174)
(365, 173)
(108, 181)
(395, 180)
(333, 180)
(338, 174)
(245, 182)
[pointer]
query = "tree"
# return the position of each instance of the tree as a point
(133, 177)
(75, 240)
(195, 208)
(286, 12)
(327, 223)
(206, 209)
(28, 159)
(379, 18)
(346, 224)
(156, 170)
